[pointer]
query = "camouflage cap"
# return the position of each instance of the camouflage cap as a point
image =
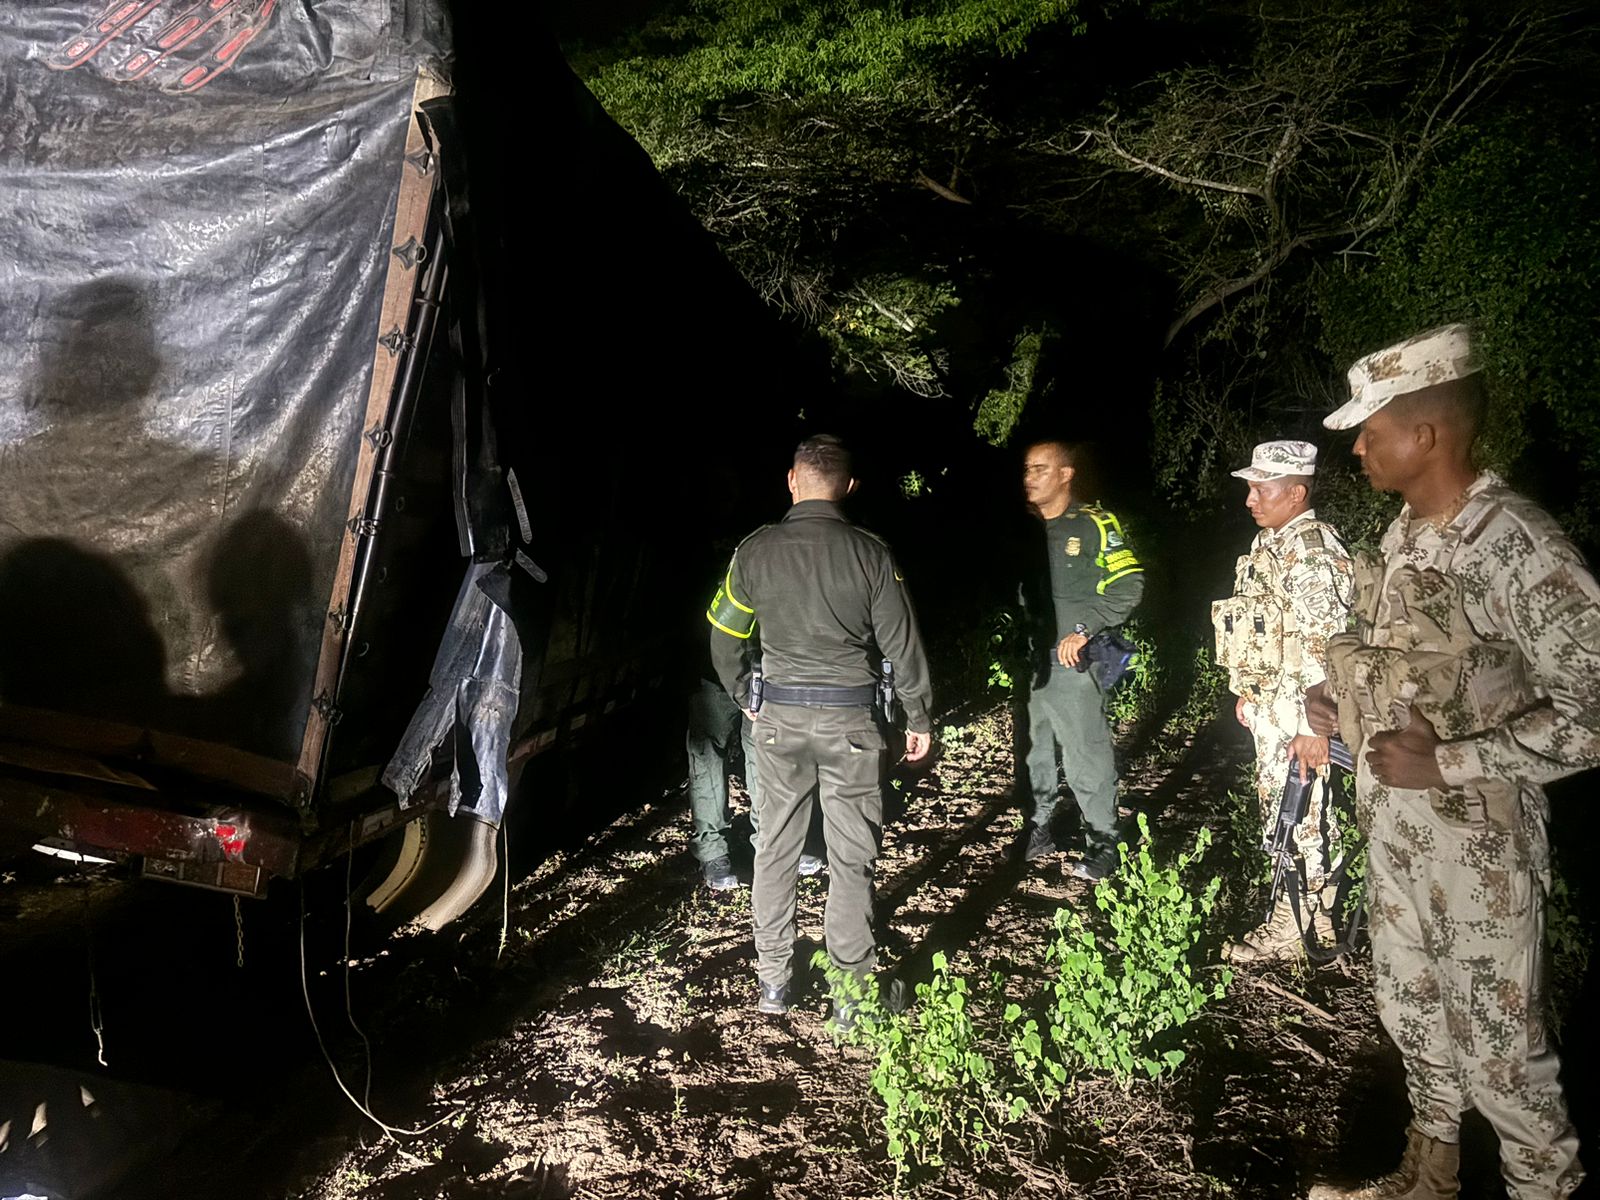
(1273, 460)
(1409, 366)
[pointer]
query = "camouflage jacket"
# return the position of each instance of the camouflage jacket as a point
(1490, 624)
(1291, 593)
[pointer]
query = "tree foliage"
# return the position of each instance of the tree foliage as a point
(1316, 140)
(1313, 178)
(684, 65)
(1507, 235)
(1357, 176)
(797, 131)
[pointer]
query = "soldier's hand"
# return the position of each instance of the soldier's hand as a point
(1071, 646)
(1322, 712)
(1310, 752)
(750, 715)
(1238, 712)
(917, 745)
(1405, 758)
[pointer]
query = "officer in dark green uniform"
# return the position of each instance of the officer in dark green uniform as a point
(716, 727)
(1095, 581)
(832, 605)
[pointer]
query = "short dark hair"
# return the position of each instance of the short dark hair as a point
(825, 460)
(1066, 450)
(1459, 403)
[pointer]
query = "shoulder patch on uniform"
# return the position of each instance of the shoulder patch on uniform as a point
(1312, 539)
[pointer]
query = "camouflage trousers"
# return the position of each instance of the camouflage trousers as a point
(1274, 720)
(1457, 950)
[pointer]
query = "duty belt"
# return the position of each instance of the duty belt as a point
(821, 696)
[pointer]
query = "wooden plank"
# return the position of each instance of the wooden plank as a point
(399, 293)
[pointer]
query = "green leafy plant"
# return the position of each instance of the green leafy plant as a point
(1570, 943)
(961, 1066)
(914, 484)
(1001, 408)
(1007, 651)
(1140, 691)
(1114, 999)
(1247, 867)
(933, 1073)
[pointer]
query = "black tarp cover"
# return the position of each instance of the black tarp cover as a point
(195, 201)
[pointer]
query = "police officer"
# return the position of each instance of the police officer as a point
(1472, 679)
(716, 726)
(831, 605)
(1095, 582)
(1291, 593)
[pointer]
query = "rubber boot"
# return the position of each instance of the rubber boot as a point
(1428, 1170)
(1278, 937)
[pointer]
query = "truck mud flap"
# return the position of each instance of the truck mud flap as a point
(438, 867)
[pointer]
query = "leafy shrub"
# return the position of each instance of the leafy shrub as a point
(1001, 408)
(934, 1073)
(963, 1065)
(1248, 870)
(1008, 652)
(1570, 943)
(1113, 1001)
(1140, 690)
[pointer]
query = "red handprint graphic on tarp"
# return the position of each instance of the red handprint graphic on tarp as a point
(176, 45)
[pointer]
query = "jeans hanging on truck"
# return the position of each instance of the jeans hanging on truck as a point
(472, 700)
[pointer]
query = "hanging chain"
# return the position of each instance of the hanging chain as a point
(96, 1019)
(238, 925)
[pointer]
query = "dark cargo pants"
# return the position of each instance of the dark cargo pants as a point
(715, 723)
(839, 753)
(1067, 716)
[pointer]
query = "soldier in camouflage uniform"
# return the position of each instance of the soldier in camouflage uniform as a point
(1473, 679)
(1291, 593)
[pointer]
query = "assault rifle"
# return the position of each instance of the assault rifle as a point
(1291, 811)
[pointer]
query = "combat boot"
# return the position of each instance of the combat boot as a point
(1278, 937)
(1428, 1170)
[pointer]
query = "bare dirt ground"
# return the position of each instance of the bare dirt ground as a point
(613, 1049)
(610, 1047)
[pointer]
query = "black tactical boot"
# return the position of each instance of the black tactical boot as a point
(1040, 842)
(718, 874)
(774, 999)
(1095, 865)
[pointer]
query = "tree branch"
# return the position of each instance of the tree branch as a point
(1213, 185)
(939, 189)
